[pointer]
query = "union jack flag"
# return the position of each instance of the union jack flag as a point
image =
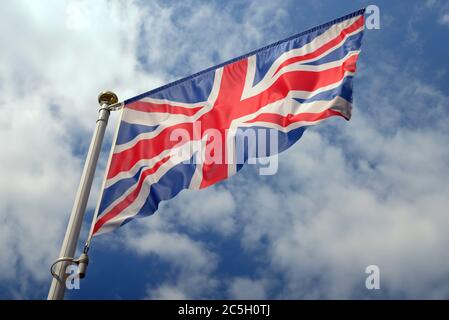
(286, 86)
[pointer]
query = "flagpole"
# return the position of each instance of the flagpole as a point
(106, 100)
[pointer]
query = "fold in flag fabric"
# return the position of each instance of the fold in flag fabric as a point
(163, 142)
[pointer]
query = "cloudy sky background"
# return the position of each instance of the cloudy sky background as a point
(350, 194)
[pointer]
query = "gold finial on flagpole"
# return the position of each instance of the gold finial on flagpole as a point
(107, 97)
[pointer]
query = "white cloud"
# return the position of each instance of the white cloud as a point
(192, 262)
(444, 19)
(442, 8)
(244, 288)
(166, 292)
(214, 212)
(179, 249)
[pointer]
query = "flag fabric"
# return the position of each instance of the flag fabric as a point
(286, 87)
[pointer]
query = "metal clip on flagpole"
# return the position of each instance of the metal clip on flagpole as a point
(108, 101)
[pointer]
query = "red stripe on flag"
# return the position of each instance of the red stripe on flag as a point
(357, 24)
(119, 207)
(302, 81)
(145, 149)
(162, 108)
(285, 121)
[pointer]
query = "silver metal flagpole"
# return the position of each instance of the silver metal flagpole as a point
(107, 101)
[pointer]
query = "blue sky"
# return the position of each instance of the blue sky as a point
(348, 195)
